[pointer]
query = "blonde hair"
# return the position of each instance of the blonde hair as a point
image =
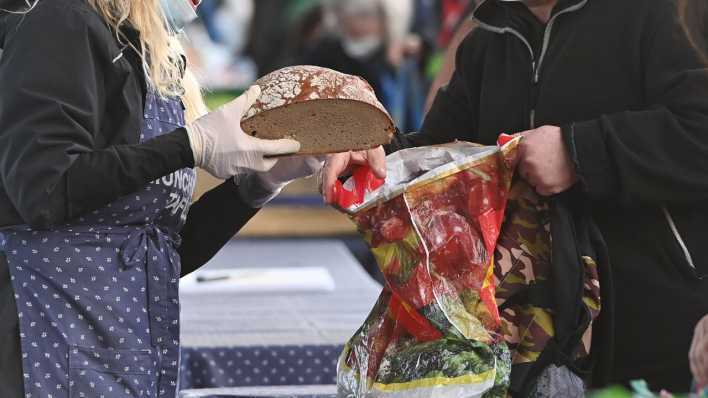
(160, 50)
(693, 15)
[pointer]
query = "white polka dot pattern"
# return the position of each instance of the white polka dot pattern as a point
(259, 366)
(97, 297)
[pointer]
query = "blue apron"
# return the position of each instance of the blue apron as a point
(97, 297)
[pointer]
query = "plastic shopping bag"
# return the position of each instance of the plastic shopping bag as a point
(433, 227)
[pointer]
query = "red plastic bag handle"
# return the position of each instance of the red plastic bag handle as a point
(504, 139)
(364, 182)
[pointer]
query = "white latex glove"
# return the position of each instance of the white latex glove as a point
(260, 188)
(221, 148)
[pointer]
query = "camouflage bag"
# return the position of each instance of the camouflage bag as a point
(548, 287)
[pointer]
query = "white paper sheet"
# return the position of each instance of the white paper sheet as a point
(259, 280)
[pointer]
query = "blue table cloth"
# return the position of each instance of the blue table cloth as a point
(289, 339)
(205, 367)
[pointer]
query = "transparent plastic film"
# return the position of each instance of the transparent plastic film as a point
(432, 227)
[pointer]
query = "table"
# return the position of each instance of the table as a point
(235, 340)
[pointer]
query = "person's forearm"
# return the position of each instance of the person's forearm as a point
(653, 155)
(212, 221)
(97, 178)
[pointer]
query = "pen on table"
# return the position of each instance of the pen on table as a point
(202, 278)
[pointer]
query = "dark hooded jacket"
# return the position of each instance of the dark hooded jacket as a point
(631, 95)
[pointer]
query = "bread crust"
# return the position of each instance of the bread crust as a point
(284, 89)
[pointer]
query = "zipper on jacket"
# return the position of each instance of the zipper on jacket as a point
(518, 35)
(678, 237)
(521, 37)
(544, 50)
(535, 66)
(547, 35)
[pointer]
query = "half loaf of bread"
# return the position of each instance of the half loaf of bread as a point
(325, 110)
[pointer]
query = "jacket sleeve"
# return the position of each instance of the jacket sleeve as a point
(452, 114)
(659, 153)
(52, 101)
(212, 221)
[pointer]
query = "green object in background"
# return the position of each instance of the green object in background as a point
(217, 98)
(434, 65)
(640, 389)
(613, 392)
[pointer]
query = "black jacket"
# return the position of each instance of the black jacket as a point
(631, 95)
(70, 121)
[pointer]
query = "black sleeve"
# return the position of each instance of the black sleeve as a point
(99, 177)
(452, 115)
(52, 100)
(212, 221)
(658, 154)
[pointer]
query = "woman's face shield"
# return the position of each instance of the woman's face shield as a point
(179, 13)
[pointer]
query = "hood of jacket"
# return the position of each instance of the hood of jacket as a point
(497, 13)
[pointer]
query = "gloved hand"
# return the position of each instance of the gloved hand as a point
(221, 148)
(260, 188)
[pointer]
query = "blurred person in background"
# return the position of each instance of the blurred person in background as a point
(307, 27)
(356, 46)
(449, 42)
(216, 44)
(453, 13)
(398, 18)
(269, 30)
(274, 24)
(612, 101)
(207, 14)
(101, 127)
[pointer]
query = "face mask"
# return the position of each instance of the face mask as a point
(361, 48)
(179, 13)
